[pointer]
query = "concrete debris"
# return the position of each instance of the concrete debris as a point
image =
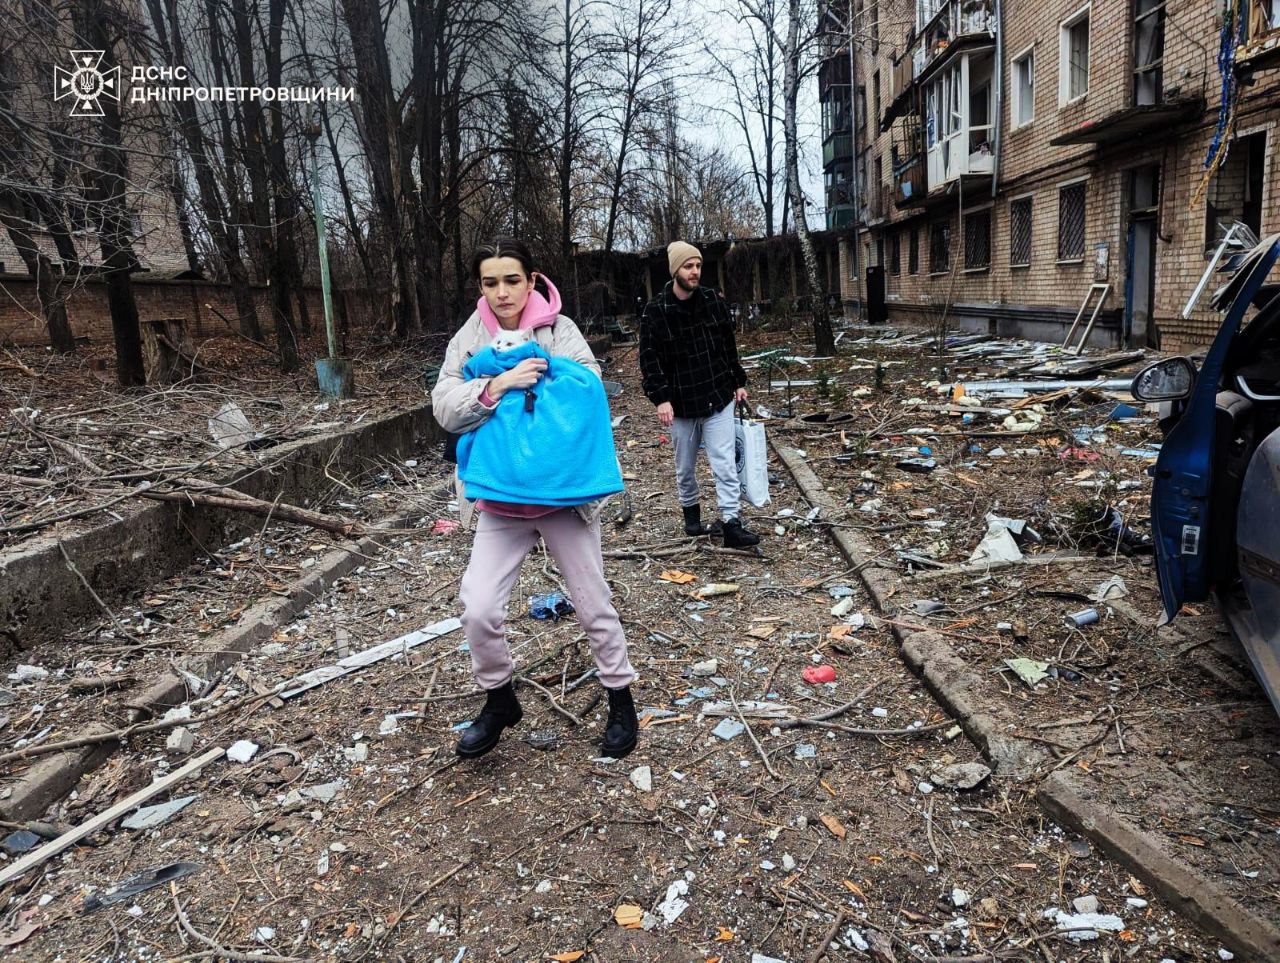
(231, 427)
(242, 751)
(181, 741)
(729, 729)
(642, 778)
(1085, 926)
(149, 817)
(674, 904)
(28, 673)
(324, 792)
(962, 775)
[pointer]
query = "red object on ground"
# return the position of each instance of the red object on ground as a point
(444, 526)
(818, 674)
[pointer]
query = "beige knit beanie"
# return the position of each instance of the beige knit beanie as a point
(678, 252)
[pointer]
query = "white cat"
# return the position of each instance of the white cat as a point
(505, 340)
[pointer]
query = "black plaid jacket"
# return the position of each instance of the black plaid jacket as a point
(688, 355)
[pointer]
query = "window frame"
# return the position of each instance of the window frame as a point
(942, 227)
(986, 210)
(1065, 28)
(1015, 100)
(1159, 13)
(1083, 184)
(1029, 200)
(913, 252)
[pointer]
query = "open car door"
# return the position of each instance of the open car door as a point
(1183, 474)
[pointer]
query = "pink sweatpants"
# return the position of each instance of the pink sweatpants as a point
(499, 549)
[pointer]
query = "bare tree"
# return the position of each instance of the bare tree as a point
(796, 45)
(642, 47)
(755, 110)
(105, 26)
(170, 37)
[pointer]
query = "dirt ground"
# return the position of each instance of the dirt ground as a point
(354, 834)
(71, 441)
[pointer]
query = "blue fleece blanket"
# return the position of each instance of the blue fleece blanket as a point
(560, 453)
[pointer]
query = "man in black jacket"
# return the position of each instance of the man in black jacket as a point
(690, 370)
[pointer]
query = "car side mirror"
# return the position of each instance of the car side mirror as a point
(1166, 380)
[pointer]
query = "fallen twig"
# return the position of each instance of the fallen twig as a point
(764, 756)
(217, 949)
(828, 938)
(335, 524)
(119, 735)
(552, 699)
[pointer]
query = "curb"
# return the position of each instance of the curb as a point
(957, 687)
(1185, 890)
(40, 596)
(947, 676)
(52, 777)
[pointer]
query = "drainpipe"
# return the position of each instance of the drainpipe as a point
(997, 106)
(853, 171)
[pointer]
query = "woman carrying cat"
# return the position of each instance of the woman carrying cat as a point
(506, 531)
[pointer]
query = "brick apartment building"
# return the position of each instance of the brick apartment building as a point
(1002, 156)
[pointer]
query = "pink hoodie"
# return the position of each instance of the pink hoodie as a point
(538, 311)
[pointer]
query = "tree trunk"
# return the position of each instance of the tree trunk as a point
(48, 285)
(111, 181)
(378, 120)
(824, 343)
(255, 161)
(225, 236)
(284, 195)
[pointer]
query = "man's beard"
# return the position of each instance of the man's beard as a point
(685, 285)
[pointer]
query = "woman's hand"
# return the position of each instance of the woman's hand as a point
(523, 375)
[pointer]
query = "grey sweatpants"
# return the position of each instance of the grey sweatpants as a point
(716, 432)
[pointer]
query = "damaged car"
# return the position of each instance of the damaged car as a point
(1215, 500)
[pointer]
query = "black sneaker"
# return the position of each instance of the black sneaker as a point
(735, 536)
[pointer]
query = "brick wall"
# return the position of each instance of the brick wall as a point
(193, 301)
(1030, 166)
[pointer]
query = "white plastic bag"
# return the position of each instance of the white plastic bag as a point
(752, 454)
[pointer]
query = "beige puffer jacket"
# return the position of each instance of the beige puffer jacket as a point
(456, 402)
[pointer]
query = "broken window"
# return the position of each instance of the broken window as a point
(1020, 232)
(1024, 89)
(895, 254)
(1073, 57)
(1236, 191)
(977, 239)
(1071, 222)
(940, 247)
(1148, 51)
(913, 252)
(1264, 18)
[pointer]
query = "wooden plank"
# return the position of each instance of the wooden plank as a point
(88, 828)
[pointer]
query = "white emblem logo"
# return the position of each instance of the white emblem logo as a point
(86, 83)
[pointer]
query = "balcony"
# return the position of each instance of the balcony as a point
(842, 215)
(909, 184)
(834, 71)
(952, 26)
(958, 113)
(837, 147)
(1261, 48)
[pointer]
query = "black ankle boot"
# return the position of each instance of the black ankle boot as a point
(693, 520)
(620, 731)
(500, 711)
(735, 536)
